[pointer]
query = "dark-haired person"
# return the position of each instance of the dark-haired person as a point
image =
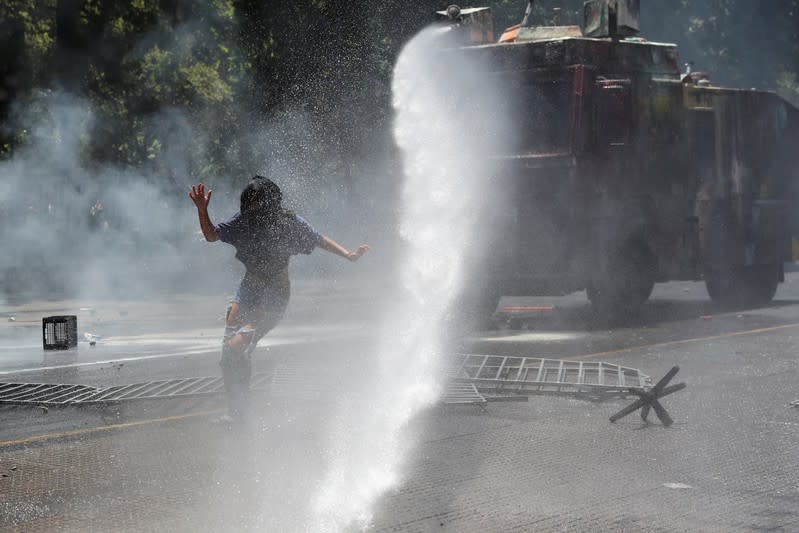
(265, 235)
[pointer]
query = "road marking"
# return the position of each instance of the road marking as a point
(183, 353)
(76, 432)
(106, 362)
(683, 341)
(201, 349)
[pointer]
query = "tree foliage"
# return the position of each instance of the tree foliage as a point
(228, 66)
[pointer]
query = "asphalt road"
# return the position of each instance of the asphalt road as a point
(729, 462)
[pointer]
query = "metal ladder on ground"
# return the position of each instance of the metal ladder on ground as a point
(505, 376)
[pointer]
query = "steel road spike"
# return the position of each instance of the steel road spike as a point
(629, 409)
(665, 380)
(663, 415)
(648, 399)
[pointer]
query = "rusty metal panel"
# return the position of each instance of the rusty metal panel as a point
(581, 111)
(596, 18)
(603, 18)
(544, 33)
(628, 16)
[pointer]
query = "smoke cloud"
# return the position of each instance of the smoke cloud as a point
(76, 229)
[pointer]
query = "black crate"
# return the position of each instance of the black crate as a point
(60, 332)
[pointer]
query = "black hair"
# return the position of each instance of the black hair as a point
(261, 195)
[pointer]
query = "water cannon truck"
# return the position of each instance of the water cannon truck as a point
(624, 169)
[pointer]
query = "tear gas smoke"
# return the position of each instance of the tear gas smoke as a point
(442, 198)
(75, 229)
(72, 228)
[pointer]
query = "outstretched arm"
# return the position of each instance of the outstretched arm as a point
(333, 247)
(201, 199)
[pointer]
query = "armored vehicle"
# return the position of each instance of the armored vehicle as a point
(625, 170)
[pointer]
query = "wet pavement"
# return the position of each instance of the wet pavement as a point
(728, 463)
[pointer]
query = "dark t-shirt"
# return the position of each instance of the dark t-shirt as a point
(265, 249)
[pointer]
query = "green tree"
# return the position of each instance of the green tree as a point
(230, 66)
(27, 39)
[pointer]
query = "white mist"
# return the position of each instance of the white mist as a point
(442, 198)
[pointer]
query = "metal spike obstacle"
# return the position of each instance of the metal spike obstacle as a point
(648, 399)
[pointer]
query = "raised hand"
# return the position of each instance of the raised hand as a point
(354, 256)
(199, 196)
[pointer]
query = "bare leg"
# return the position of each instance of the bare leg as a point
(240, 339)
(236, 363)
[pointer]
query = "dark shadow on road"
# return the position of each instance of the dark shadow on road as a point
(580, 316)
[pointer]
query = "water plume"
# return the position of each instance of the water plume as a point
(442, 198)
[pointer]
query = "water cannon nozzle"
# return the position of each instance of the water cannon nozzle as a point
(454, 13)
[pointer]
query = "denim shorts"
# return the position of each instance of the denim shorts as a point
(262, 304)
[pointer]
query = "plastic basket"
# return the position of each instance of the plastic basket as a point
(60, 332)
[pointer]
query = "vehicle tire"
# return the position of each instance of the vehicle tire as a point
(743, 286)
(626, 284)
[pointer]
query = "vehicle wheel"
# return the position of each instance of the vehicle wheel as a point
(626, 284)
(744, 286)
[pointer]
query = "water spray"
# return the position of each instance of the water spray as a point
(441, 197)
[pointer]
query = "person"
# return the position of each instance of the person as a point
(97, 217)
(265, 236)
